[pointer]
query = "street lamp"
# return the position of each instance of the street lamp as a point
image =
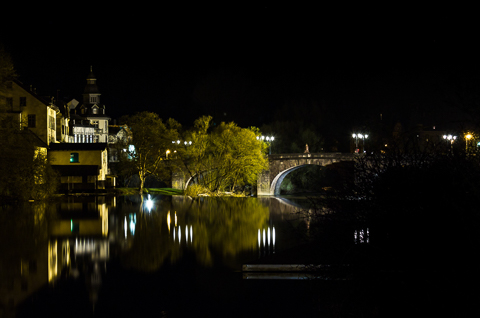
(166, 153)
(359, 136)
(450, 138)
(269, 139)
(467, 138)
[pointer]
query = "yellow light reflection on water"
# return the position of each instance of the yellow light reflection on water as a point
(52, 261)
(168, 221)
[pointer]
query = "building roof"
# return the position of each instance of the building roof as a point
(27, 89)
(78, 146)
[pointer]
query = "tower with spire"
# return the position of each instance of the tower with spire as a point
(90, 117)
(91, 96)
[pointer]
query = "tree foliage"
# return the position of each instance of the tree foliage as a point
(223, 157)
(145, 152)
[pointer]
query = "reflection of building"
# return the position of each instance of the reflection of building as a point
(79, 241)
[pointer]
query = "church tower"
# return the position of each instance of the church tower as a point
(91, 97)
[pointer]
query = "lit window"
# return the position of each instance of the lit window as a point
(74, 157)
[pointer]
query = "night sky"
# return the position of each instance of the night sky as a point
(243, 62)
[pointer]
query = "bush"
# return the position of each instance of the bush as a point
(196, 189)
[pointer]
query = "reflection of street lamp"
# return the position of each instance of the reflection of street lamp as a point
(269, 139)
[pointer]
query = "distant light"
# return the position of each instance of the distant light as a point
(354, 136)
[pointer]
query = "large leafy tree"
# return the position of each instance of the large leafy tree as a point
(225, 156)
(145, 152)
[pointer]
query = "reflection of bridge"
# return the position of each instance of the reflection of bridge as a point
(269, 181)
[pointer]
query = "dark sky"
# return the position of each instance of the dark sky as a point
(242, 62)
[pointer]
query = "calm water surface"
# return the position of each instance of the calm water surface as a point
(107, 256)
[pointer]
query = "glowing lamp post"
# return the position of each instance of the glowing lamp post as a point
(467, 138)
(451, 139)
(269, 139)
(357, 137)
(167, 152)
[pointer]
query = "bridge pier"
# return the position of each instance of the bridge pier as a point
(179, 180)
(263, 183)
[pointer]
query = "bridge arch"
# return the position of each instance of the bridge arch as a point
(277, 181)
(281, 165)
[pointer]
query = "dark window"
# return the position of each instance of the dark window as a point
(9, 103)
(74, 157)
(32, 121)
(23, 101)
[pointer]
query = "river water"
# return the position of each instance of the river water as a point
(164, 256)
(106, 256)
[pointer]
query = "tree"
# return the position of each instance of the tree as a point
(144, 154)
(225, 156)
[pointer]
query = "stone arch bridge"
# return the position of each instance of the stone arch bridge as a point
(269, 181)
(280, 165)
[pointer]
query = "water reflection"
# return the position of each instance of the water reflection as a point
(361, 236)
(202, 227)
(268, 246)
(74, 237)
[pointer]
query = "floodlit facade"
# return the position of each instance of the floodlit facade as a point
(89, 123)
(28, 110)
(81, 166)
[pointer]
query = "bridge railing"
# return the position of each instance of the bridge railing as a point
(312, 155)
